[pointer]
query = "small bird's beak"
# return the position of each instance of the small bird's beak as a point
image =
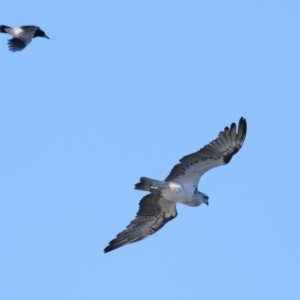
(46, 37)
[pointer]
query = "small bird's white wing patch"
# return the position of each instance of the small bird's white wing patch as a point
(24, 33)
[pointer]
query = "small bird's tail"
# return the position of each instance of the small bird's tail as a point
(3, 28)
(148, 184)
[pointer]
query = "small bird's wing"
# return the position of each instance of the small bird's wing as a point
(23, 33)
(154, 212)
(217, 153)
(30, 28)
(16, 44)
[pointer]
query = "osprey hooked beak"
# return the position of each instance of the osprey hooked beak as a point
(205, 199)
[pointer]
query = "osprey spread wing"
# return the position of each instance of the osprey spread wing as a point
(181, 185)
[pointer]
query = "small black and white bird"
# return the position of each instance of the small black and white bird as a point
(22, 36)
(181, 186)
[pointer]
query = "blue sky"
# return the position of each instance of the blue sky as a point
(124, 90)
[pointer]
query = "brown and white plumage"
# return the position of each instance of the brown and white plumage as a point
(181, 185)
(217, 153)
(155, 211)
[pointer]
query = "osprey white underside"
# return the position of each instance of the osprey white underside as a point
(176, 192)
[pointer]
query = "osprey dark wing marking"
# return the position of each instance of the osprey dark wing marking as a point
(217, 153)
(154, 212)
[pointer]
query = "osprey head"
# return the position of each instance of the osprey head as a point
(203, 198)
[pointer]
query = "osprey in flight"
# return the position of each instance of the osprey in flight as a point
(181, 185)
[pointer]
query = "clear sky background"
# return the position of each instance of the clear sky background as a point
(124, 89)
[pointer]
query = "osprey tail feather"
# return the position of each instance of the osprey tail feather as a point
(148, 184)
